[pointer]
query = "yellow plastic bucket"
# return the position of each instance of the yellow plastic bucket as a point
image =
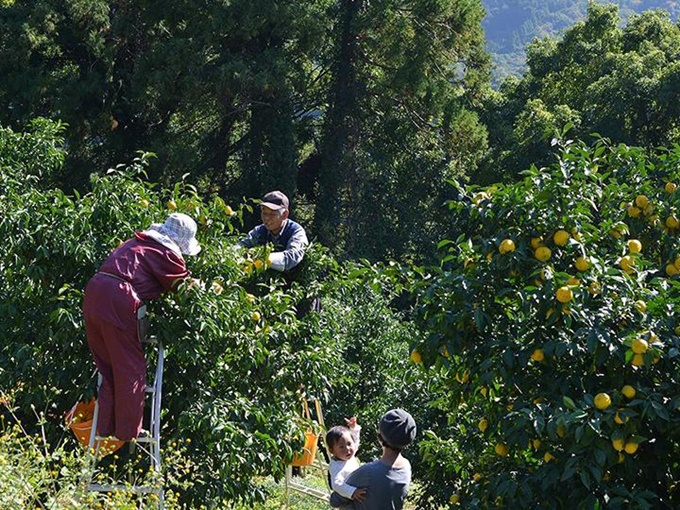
(308, 452)
(79, 420)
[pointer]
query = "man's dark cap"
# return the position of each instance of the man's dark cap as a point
(275, 200)
(397, 428)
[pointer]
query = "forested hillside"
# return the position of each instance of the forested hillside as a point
(512, 24)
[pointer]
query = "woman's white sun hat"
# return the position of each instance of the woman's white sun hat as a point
(177, 233)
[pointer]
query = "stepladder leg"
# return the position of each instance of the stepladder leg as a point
(289, 475)
(151, 484)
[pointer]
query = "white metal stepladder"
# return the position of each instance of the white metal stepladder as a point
(149, 445)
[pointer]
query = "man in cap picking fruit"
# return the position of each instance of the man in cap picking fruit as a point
(288, 237)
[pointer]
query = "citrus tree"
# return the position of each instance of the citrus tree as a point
(552, 334)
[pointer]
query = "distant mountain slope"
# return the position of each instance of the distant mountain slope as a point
(512, 24)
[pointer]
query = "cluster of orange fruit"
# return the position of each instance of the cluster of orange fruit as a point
(619, 442)
(642, 206)
(602, 401)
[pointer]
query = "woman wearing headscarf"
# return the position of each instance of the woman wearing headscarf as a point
(142, 268)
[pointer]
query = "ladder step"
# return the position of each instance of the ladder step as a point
(140, 489)
(150, 389)
(142, 439)
(98, 439)
(146, 440)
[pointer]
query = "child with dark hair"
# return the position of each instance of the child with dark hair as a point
(387, 479)
(343, 443)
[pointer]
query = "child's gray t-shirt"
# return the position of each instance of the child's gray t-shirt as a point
(387, 487)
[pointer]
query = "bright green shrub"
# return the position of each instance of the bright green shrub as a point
(238, 358)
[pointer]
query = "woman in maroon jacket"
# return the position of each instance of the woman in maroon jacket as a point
(140, 269)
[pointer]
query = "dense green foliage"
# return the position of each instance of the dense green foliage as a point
(239, 361)
(521, 342)
(371, 116)
(400, 121)
(186, 80)
(600, 77)
(511, 25)
(239, 95)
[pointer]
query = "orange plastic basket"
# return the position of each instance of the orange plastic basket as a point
(79, 420)
(308, 452)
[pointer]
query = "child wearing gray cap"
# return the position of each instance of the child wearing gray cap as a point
(387, 479)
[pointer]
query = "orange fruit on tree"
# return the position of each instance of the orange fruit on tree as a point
(561, 237)
(501, 449)
(626, 263)
(483, 424)
(416, 357)
(564, 294)
(631, 447)
(639, 346)
(641, 201)
(542, 253)
(670, 187)
(628, 391)
(536, 242)
(595, 288)
(602, 401)
(538, 355)
(619, 444)
(172, 205)
(548, 457)
(582, 263)
(618, 419)
(633, 211)
(672, 221)
(255, 316)
(258, 264)
(507, 246)
(638, 360)
(634, 246)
